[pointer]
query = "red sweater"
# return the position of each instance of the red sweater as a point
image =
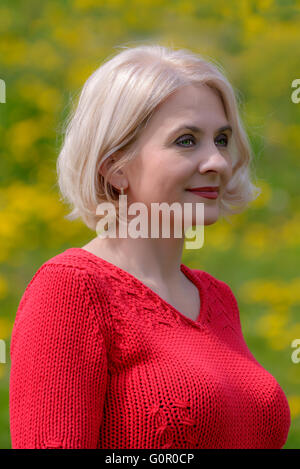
(99, 360)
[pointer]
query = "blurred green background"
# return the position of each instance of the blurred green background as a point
(47, 51)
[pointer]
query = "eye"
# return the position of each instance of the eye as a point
(184, 139)
(224, 139)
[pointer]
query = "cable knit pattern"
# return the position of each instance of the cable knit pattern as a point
(99, 360)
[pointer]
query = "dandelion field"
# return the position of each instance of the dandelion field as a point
(48, 50)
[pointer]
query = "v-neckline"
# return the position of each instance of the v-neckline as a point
(184, 269)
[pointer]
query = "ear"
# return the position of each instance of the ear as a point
(108, 162)
(117, 179)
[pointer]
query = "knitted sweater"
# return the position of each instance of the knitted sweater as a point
(99, 360)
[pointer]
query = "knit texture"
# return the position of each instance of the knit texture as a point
(99, 360)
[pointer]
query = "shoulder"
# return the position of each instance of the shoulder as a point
(71, 262)
(69, 279)
(220, 291)
(63, 295)
(213, 282)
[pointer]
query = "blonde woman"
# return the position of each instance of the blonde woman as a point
(117, 344)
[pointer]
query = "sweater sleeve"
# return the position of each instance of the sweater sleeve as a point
(58, 372)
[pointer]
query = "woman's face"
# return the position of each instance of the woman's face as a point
(171, 161)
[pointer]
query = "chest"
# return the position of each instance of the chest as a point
(197, 396)
(188, 306)
(186, 301)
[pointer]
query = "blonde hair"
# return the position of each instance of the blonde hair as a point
(114, 106)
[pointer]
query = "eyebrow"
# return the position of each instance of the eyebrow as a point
(196, 129)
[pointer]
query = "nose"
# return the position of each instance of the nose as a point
(215, 160)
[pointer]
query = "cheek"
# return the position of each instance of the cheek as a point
(229, 165)
(148, 165)
(230, 170)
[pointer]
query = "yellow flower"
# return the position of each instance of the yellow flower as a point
(44, 96)
(265, 4)
(42, 54)
(5, 328)
(256, 240)
(294, 403)
(87, 4)
(265, 195)
(22, 135)
(271, 325)
(220, 236)
(2, 369)
(13, 52)
(78, 72)
(3, 290)
(290, 231)
(267, 291)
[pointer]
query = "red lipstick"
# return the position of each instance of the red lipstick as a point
(209, 192)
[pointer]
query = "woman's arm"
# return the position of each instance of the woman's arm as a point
(58, 363)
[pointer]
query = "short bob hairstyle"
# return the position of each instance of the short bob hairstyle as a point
(114, 106)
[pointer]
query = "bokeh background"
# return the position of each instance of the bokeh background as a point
(47, 51)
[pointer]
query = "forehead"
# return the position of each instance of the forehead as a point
(200, 104)
(191, 96)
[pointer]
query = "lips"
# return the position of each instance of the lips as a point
(209, 192)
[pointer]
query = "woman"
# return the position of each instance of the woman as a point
(117, 344)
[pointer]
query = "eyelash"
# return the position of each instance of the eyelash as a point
(193, 138)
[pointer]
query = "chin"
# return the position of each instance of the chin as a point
(211, 215)
(210, 221)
